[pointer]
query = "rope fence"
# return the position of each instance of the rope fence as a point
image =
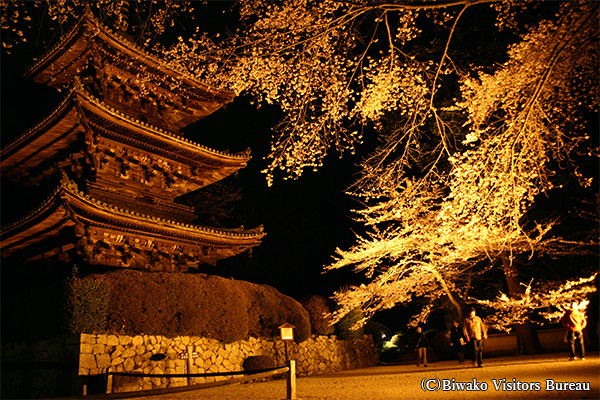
(247, 376)
(199, 375)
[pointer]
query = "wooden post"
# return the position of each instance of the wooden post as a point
(190, 362)
(84, 389)
(291, 380)
(109, 381)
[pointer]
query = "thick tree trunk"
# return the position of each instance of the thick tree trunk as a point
(527, 338)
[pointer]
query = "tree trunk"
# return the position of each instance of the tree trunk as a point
(448, 292)
(527, 337)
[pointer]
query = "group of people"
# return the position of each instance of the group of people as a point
(474, 331)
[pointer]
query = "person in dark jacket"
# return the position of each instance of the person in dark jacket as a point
(457, 340)
(421, 347)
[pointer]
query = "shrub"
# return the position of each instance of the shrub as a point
(379, 332)
(177, 304)
(216, 307)
(253, 363)
(318, 309)
(86, 305)
(190, 304)
(271, 309)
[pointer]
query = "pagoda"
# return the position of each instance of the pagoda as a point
(115, 148)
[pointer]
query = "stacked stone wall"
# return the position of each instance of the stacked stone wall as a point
(122, 353)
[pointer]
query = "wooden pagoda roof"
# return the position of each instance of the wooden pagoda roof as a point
(83, 118)
(106, 229)
(90, 43)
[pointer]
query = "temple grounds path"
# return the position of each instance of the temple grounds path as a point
(389, 382)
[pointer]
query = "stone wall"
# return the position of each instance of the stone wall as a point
(122, 353)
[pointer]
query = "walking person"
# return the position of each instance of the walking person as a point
(421, 346)
(476, 332)
(574, 321)
(457, 340)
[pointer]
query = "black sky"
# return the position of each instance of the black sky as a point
(305, 219)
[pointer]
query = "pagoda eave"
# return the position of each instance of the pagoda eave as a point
(84, 130)
(88, 51)
(120, 238)
(164, 143)
(54, 134)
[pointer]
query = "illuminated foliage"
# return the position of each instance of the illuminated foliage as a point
(523, 118)
(144, 21)
(555, 296)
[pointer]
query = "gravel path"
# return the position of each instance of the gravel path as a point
(405, 382)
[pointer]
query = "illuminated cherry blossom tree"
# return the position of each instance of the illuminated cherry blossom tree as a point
(428, 231)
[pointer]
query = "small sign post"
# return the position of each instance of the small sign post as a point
(189, 355)
(287, 335)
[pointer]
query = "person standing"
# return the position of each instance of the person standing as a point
(421, 346)
(574, 321)
(457, 340)
(476, 332)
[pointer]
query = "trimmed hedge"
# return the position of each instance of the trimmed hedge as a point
(269, 309)
(188, 304)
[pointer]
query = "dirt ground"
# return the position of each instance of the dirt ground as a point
(525, 377)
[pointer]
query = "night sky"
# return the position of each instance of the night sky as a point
(305, 219)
